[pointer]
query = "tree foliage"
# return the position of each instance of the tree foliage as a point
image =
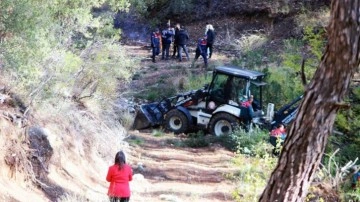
(308, 135)
(157, 10)
(47, 45)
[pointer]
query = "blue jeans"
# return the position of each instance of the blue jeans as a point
(180, 48)
(155, 52)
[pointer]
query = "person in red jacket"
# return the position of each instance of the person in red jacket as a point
(119, 176)
(277, 136)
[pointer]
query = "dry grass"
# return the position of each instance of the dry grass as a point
(16, 171)
(84, 145)
(315, 19)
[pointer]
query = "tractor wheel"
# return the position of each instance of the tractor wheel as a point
(223, 124)
(176, 121)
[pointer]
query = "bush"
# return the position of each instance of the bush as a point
(157, 133)
(197, 140)
(158, 92)
(254, 143)
(197, 81)
(252, 176)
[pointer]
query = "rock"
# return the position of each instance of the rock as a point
(138, 177)
(168, 197)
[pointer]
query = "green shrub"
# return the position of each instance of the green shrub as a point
(157, 93)
(342, 122)
(197, 81)
(196, 140)
(251, 177)
(175, 142)
(352, 195)
(283, 86)
(157, 133)
(254, 143)
(315, 39)
(135, 141)
(347, 135)
(251, 59)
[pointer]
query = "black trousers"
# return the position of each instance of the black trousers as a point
(165, 51)
(174, 50)
(210, 47)
(116, 199)
(203, 55)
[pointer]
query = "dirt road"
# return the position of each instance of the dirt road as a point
(165, 171)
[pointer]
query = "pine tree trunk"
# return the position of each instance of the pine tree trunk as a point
(308, 135)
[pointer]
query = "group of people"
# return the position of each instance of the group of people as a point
(161, 42)
(178, 36)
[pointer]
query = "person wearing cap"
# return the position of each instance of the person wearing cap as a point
(201, 50)
(155, 43)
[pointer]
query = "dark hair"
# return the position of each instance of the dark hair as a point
(120, 159)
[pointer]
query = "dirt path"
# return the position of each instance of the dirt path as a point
(173, 173)
(163, 170)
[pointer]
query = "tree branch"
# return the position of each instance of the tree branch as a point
(303, 76)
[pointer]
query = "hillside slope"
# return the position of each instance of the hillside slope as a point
(74, 165)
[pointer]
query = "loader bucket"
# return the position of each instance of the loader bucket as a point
(149, 115)
(140, 121)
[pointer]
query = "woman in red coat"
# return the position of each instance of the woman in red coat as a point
(119, 176)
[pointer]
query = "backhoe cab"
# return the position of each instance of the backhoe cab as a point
(233, 99)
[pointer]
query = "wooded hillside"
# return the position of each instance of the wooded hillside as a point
(71, 73)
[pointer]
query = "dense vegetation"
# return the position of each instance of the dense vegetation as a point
(68, 50)
(61, 62)
(285, 83)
